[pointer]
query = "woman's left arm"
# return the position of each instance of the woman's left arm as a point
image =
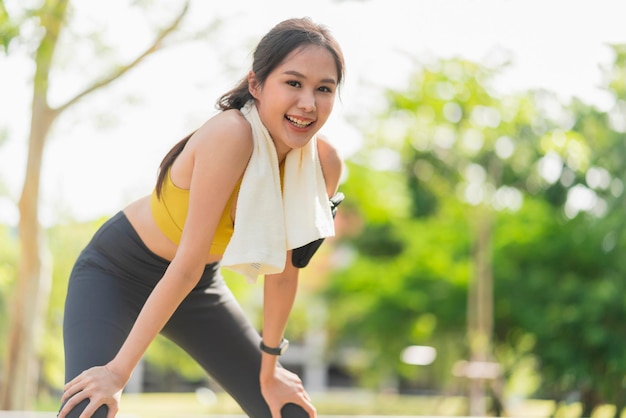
(278, 385)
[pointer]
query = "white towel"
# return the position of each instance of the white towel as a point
(268, 222)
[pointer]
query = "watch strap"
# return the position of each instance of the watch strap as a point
(275, 351)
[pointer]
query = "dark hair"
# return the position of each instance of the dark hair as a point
(280, 41)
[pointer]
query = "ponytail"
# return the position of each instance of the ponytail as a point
(235, 98)
(168, 160)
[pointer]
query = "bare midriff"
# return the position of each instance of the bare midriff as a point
(140, 217)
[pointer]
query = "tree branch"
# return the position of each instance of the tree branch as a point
(156, 45)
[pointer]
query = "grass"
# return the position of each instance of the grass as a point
(161, 405)
(181, 405)
(153, 405)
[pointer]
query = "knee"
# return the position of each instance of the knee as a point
(78, 409)
(291, 410)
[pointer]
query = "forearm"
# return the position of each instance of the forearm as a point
(278, 298)
(157, 310)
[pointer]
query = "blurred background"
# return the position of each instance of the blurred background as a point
(478, 266)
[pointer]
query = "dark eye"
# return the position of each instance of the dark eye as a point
(293, 83)
(325, 89)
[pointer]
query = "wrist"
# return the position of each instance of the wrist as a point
(120, 372)
(268, 368)
(277, 350)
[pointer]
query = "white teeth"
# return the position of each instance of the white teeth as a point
(298, 122)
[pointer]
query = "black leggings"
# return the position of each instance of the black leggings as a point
(109, 284)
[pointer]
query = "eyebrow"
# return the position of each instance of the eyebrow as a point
(299, 74)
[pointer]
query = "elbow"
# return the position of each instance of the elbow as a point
(287, 277)
(186, 274)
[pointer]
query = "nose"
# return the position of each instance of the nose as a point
(307, 101)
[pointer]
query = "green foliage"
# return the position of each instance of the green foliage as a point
(408, 282)
(569, 293)
(615, 75)
(388, 303)
(381, 195)
(8, 29)
(571, 269)
(15, 27)
(551, 177)
(8, 273)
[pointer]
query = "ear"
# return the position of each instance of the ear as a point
(253, 84)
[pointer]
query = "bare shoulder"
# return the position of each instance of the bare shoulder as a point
(331, 161)
(223, 141)
(328, 153)
(228, 129)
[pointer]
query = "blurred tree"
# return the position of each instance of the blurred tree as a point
(433, 143)
(563, 280)
(9, 29)
(456, 174)
(33, 284)
(455, 149)
(556, 282)
(8, 263)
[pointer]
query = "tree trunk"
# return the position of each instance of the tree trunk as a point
(619, 397)
(590, 400)
(480, 308)
(30, 300)
(619, 405)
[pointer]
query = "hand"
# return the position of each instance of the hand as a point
(284, 387)
(98, 384)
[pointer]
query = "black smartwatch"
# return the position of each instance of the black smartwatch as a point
(275, 351)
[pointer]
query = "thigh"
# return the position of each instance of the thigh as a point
(100, 310)
(211, 326)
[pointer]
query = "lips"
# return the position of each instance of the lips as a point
(299, 123)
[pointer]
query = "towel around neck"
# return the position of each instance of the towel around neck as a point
(268, 221)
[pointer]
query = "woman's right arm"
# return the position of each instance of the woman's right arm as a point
(221, 152)
(219, 160)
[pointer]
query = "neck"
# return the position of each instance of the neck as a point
(282, 154)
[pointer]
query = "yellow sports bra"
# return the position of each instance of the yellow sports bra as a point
(170, 213)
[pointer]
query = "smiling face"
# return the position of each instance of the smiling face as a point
(297, 97)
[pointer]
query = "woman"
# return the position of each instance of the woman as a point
(242, 191)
